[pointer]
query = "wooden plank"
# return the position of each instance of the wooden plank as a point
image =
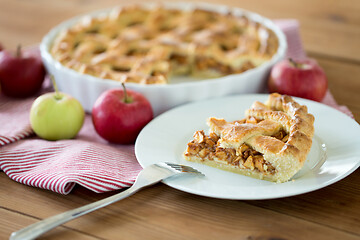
(327, 27)
(330, 29)
(162, 212)
(11, 221)
(344, 82)
(335, 206)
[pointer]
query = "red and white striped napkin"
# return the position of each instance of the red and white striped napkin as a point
(88, 160)
(59, 165)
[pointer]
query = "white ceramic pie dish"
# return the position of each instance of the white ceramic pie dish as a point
(87, 88)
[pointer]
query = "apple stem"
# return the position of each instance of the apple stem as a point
(294, 63)
(126, 98)
(18, 51)
(57, 95)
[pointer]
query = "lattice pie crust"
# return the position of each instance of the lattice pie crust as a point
(148, 46)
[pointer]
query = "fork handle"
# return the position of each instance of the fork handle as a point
(45, 225)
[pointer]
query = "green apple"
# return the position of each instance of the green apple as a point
(56, 115)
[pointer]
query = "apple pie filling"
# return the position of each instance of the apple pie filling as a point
(281, 135)
(206, 147)
(205, 63)
(179, 59)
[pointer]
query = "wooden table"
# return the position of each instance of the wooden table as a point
(331, 34)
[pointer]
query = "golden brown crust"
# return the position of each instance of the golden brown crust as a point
(280, 130)
(294, 118)
(118, 46)
(233, 134)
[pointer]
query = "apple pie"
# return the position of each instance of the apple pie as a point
(149, 46)
(270, 143)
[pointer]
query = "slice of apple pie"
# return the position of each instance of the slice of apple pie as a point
(271, 143)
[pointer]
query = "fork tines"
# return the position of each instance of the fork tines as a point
(183, 168)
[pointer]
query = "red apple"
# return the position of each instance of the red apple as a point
(304, 79)
(119, 115)
(22, 74)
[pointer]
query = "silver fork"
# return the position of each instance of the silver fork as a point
(148, 176)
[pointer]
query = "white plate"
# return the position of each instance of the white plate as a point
(334, 155)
